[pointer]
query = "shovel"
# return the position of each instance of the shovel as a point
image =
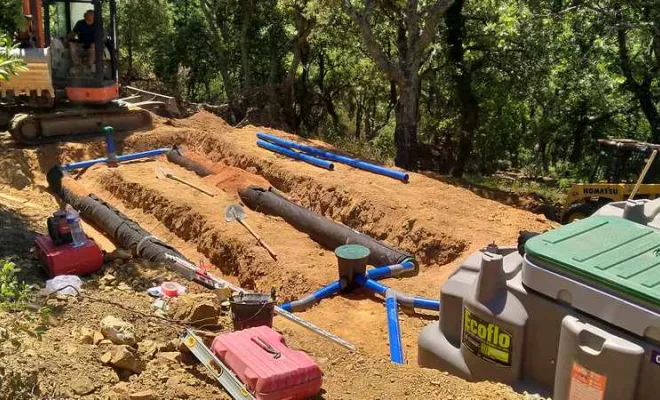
(234, 212)
(162, 173)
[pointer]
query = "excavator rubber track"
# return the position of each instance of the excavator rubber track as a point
(76, 124)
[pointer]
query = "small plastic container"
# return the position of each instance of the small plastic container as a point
(75, 226)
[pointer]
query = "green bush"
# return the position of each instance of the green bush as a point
(13, 292)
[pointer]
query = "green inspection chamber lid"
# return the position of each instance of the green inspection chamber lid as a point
(621, 255)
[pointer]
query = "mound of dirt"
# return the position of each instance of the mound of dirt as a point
(430, 218)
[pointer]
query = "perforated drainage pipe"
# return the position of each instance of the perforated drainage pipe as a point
(126, 232)
(322, 230)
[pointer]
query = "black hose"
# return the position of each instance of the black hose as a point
(322, 230)
(126, 232)
(523, 238)
(176, 156)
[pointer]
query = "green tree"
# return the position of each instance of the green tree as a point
(9, 63)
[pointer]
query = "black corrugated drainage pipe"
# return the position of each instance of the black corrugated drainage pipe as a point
(176, 156)
(322, 230)
(126, 232)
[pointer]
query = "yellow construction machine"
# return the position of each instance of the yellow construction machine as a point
(624, 170)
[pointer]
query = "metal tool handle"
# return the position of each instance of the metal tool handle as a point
(259, 239)
(192, 185)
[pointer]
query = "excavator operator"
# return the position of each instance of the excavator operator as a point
(82, 41)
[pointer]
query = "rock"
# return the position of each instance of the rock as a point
(124, 358)
(173, 381)
(148, 348)
(144, 395)
(124, 287)
(106, 357)
(198, 309)
(172, 356)
(86, 336)
(118, 331)
(97, 338)
(121, 387)
(83, 385)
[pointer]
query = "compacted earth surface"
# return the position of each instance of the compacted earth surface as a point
(64, 347)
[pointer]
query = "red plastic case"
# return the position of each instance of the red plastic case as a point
(264, 363)
(67, 260)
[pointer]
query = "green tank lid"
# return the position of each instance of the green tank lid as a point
(621, 255)
(352, 252)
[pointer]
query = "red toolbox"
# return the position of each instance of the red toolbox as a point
(68, 260)
(269, 369)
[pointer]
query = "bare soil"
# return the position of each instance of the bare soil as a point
(438, 222)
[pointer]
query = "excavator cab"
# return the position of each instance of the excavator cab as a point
(96, 85)
(85, 99)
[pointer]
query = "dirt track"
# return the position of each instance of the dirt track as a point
(437, 222)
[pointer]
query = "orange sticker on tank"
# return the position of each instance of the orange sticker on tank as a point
(586, 384)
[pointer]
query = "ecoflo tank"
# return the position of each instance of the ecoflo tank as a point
(576, 317)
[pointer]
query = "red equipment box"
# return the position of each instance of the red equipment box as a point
(267, 366)
(67, 260)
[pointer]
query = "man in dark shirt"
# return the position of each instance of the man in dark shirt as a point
(83, 37)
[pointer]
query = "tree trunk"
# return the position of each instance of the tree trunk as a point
(246, 20)
(469, 106)
(326, 97)
(358, 118)
(642, 91)
(405, 131)
(578, 132)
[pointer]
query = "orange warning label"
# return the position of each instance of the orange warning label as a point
(586, 384)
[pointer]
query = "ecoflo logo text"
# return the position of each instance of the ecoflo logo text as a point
(489, 333)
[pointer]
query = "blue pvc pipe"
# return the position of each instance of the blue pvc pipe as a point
(402, 176)
(122, 158)
(370, 284)
(308, 301)
(295, 155)
(426, 304)
(403, 299)
(393, 329)
(389, 270)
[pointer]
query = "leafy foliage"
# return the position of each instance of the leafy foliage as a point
(9, 64)
(502, 84)
(13, 292)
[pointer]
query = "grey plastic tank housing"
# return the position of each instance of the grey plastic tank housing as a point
(514, 320)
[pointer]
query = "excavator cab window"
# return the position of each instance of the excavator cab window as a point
(90, 66)
(623, 164)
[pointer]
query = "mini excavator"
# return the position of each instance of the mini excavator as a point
(56, 100)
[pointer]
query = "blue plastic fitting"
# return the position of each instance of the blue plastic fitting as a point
(393, 329)
(295, 155)
(390, 270)
(403, 299)
(370, 284)
(309, 300)
(426, 304)
(402, 176)
(122, 158)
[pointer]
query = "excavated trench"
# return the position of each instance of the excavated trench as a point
(371, 213)
(199, 219)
